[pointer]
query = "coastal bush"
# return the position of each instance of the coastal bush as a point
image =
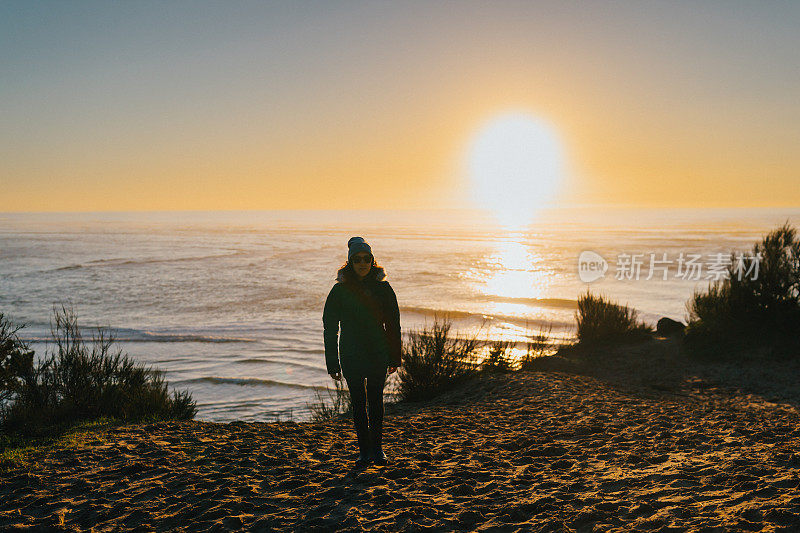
(16, 370)
(434, 361)
(756, 305)
(498, 359)
(79, 381)
(339, 403)
(601, 321)
(16, 363)
(538, 345)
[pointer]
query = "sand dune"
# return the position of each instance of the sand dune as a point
(533, 451)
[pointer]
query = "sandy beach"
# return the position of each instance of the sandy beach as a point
(624, 444)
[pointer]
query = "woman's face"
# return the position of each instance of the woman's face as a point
(362, 262)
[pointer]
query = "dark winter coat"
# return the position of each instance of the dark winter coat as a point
(370, 323)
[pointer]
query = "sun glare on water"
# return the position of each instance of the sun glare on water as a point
(515, 163)
(515, 276)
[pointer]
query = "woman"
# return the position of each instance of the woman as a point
(366, 306)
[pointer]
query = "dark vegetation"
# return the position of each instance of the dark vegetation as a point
(339, 402)
(76, 382)
(435, 361)
(739, 315)
(601, 321)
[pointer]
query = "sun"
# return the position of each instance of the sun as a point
(516, 165)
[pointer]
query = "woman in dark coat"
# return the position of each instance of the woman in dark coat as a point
(365, 305)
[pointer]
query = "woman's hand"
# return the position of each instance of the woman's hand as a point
(337, 376)
(392, 369)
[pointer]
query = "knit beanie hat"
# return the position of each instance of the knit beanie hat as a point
(355, 245)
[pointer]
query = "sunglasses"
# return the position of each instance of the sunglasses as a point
(362, 259)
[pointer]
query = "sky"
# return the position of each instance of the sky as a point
(114, 106)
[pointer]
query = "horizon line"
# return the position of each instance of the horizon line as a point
(366, 209)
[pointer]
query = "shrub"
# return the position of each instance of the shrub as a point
(79, 381)
(739, 313)
(340, 403)
(601, 321)
(435, 361)
(497, 359)
(16, 364)
(538, 345)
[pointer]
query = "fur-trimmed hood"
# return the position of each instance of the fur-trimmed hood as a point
(380, 274)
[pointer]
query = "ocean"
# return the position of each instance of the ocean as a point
(229, 304)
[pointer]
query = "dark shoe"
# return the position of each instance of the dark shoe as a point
(376, 448)
(380, 458)
(363, 460)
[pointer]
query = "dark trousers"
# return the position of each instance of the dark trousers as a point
(367, 401)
